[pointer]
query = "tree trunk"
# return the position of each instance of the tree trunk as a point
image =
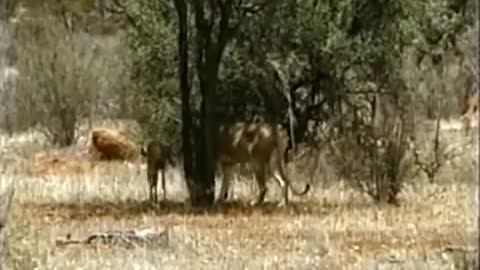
(209, 51)
(209, 54)
(206, 158)
(182, 40)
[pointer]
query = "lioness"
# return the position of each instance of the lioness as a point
(260, 145)
(158, 155)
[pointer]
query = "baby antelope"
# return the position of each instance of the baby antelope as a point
(158, 155)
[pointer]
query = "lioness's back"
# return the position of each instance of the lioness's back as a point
(239, 141)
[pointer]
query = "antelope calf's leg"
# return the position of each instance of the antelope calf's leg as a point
(152, 177)
(163, 185)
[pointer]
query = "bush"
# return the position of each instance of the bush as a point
(159, 116)
(375, 158)
(153, 53)
(63, 77)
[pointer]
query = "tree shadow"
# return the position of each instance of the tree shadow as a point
(133, 208)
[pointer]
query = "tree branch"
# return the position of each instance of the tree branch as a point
(122, 9)
(245, 10)
(203, 35)
(200, 20)
(225, 31)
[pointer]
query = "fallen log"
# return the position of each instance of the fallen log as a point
(147, 238)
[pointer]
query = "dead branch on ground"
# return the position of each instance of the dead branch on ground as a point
(151, 238)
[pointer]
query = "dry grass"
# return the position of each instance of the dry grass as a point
(334, 227)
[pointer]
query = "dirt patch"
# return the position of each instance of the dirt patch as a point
(61, 165)
(368, 242)
(236, 209)
(66, 161)
(62, 162)
(65, 212)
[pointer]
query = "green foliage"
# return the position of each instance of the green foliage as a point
(241, 81)
(339, 47)
(152, 43)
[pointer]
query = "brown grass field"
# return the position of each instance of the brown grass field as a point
(334, 227)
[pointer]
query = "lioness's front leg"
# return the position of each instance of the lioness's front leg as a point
(259, 170)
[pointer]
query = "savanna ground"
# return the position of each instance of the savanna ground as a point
(334, 227)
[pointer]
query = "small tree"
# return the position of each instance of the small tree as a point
(59, 79)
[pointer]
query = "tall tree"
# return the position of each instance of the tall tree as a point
(215, 24)
(208, 54)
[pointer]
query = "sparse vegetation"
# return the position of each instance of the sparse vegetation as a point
(334, 227)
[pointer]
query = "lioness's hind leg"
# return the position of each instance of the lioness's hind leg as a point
(282, 182)
(260, 177)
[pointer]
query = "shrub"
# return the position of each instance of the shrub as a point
(63, 77)
(375, 158)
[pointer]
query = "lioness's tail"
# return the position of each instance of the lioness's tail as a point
(300, 193)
